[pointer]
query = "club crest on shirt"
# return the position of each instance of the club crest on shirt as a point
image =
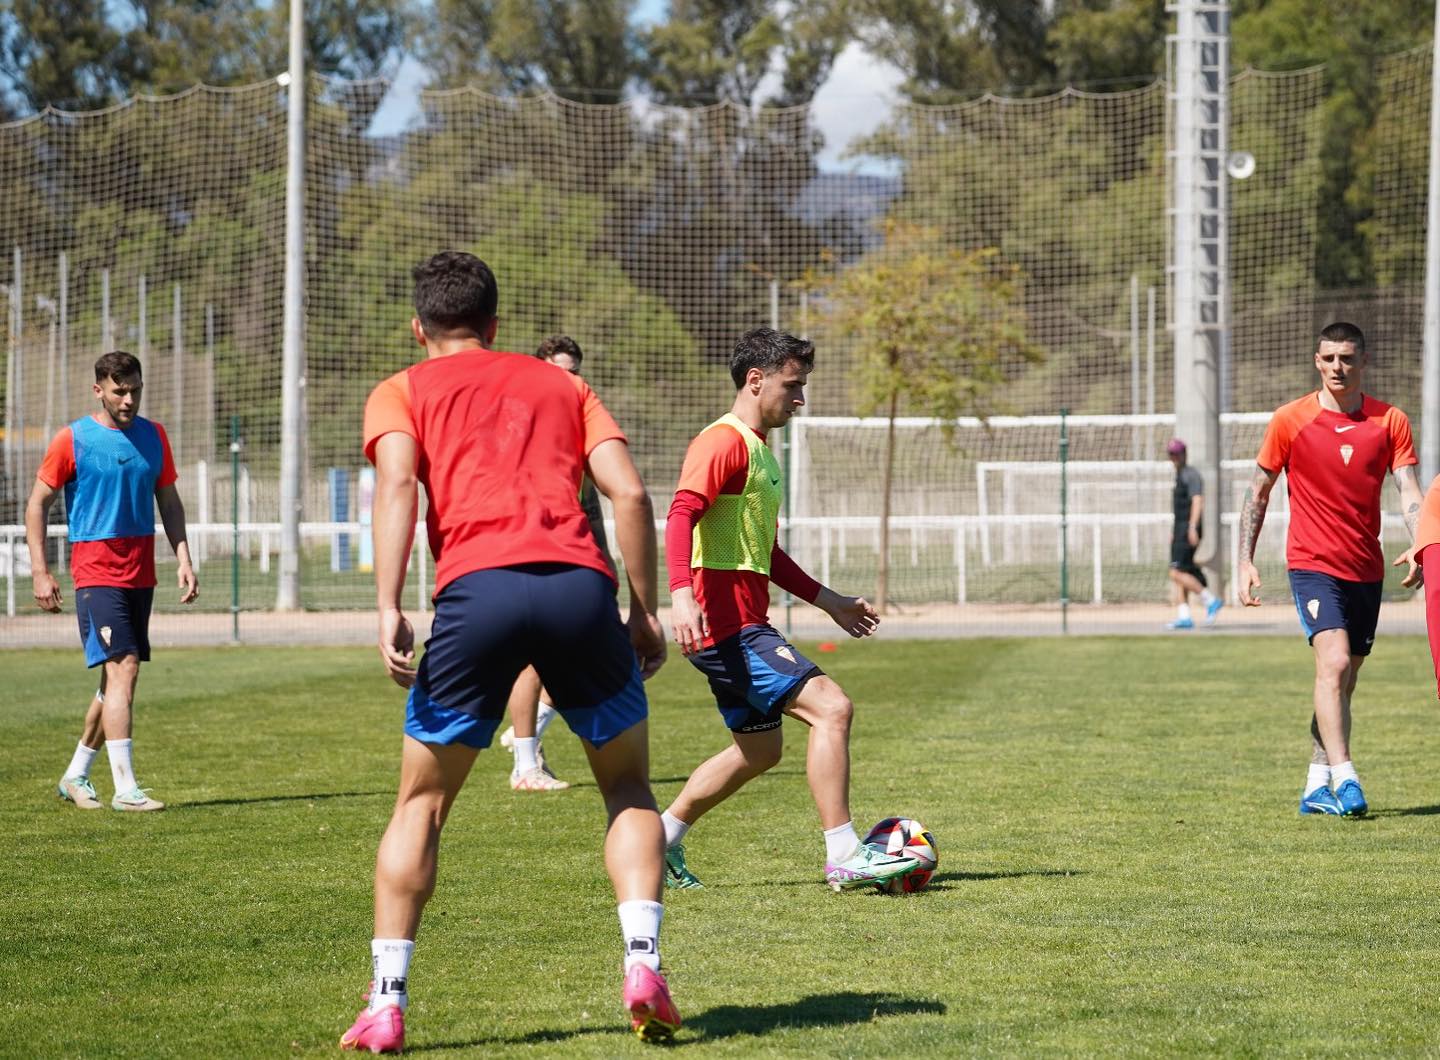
(785, 653)
(1314, 608)
(105, 636)
(1346, 452)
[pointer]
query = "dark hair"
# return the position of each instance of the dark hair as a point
(1343, 331)
(560, 344)
(768, 350)
(116, 365)
(454, 291)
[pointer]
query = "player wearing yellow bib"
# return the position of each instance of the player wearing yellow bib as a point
(722, 553)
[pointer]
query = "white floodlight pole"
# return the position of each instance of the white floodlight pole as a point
(292, 384)
(1430, 360)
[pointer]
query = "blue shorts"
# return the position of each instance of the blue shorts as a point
(754, 674)
(114, 622)
(1324, 601)
(490, 624)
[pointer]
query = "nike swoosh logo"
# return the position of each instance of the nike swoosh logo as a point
(1342, 430)
(123, 459)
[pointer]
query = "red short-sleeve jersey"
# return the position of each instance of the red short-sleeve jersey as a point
(1335, 465)
(503, 440)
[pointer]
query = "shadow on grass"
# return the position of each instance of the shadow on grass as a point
(941, 881)
(1409, 811)
(818, 1010)
(180, 807)
(533, 1038)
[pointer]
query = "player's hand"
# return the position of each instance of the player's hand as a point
(397, 646)
(647, 637)
(1415, 575)
(1192, 537)
(853, 614)
(1249, 585)
(47, 591)
(189, 584)
(688, 621)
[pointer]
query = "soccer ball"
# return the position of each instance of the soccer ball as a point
(899, 835)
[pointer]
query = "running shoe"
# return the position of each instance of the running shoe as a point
(136, 800)
(379, 1032)
(536, 779)
(80, 791)
(653, 1016)
(1351, 799)
(868, 865)
(1322, 800)
(1181, 623)
(677, 875)
(1212, 609)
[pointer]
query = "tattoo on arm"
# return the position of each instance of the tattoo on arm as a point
(1252, 513)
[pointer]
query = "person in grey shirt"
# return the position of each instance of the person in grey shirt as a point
(1189, 579)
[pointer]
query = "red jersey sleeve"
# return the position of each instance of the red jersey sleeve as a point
(58, 465)
(1427, 531)
(1280, 434)
(600, 426)
(786, 573)
(388, 409)
(685, 511)
(168, 474)
(1402, 442)
(714, 457)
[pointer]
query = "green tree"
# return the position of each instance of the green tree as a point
(1108, 42)
(64, 53)
(938, 330)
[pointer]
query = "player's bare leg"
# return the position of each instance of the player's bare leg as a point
(635, 862)
(524, 703)
(75, 786)
(121, 676)
(1336, 674)
(723, 774)
(431, 775)
(826, 709)
(530, 771)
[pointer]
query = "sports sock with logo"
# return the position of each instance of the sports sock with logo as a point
(121, 769)
(640, 927)
(80, 761)
(1318, 777)
(675, 828)
(841, 842)
(1342, 772)
(544, 715)
(390, 968)
(525, 759)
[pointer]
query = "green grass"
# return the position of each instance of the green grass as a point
(1122, 868)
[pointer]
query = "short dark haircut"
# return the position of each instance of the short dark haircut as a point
(117, 365)
(1344, 331)
(560, 344)
(454, 291)
(768, 350)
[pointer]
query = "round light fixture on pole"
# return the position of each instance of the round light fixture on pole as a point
(1240, 165)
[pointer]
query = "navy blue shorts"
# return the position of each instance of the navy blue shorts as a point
(114, 622)
(1324, 601)
(754, 674)
(490, 624)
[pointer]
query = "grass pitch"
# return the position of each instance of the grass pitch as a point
(1122, 867)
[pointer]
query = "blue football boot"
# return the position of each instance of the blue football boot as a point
(1352, 799)
(1322, 800)
(1212, 609)
(1181, 623)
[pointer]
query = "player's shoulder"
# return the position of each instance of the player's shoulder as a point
(1294, 416)
(1375, 409)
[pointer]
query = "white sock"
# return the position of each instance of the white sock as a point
(80, 761)
(390, 968)
(675, 828)
(525, 753)
(1207, 597)
(1339, 774)
(121, 769)
(544, 715)
(1182, 612)
(1318, 777)
(640, 927)
(841, 842)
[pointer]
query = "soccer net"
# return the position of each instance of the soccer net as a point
(655, 236)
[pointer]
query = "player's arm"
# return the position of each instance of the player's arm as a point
(853, 614)
(590, 505)
(172, 517)
(616, 476)
(1252, 518)
(687, 617)
(1197, 512)
(1411, 503)
(393, 530)
(46, 588)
